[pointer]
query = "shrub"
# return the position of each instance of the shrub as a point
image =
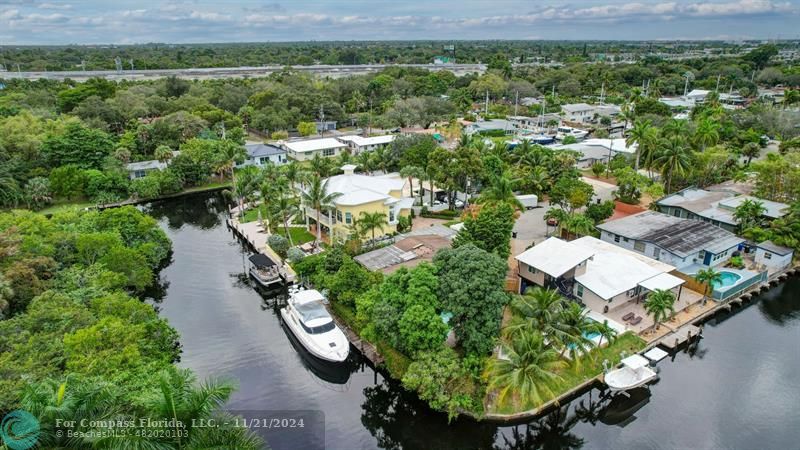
(598, 168)
(146, 187)
(278, 243)
(737, 262)
(294, 255)
(279, 135)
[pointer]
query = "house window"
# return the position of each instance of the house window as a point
(701, 255)
(638, 246)
(348, 218)
(656, 252)
(532, 269)
(616, 238)
(328, 152)
(579, 292)
(338, 216)
(391, 215)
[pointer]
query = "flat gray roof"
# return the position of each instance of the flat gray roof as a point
(718, 205)
(774, 248)
(682, 237)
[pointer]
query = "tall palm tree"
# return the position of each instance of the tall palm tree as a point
(412, 172)
(708, 277)
(539, 309)
(572, 327)
(499, 190)
(293, 172)
(675, 128)
(749, 214)
(674, 158)
(605, 331)
(286, 207)
(707, 133)
(372, 221)
(529, 370)
(640, 135)
(316, 196)
(660, 304)
(320, 165)
(230, 153)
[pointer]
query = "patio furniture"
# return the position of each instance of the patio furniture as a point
(636, 320)
(628, 317)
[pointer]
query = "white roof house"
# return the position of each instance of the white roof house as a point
(306, 149)
(361, 142)
(554, 256)
(357, 189)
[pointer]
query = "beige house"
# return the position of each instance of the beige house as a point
(306, 149)
(362, 193)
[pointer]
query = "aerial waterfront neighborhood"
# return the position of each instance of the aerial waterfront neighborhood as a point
(323, 232)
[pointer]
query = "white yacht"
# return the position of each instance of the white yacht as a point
(564, 131)
(310, 322)
(633, 373)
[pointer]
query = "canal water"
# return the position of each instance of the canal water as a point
(738, 388)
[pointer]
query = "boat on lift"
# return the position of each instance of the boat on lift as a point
(264, 270)
(635, 372)
(563, 131)
(308, 319)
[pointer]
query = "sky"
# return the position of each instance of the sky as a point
(198, 21)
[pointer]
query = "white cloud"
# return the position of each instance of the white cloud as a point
(54, 6)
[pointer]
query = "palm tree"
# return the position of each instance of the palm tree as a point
(230, 153)
(412, 172)
(321, 165)
(371, 221)
(538, 308)
(572, 326)
(674, 158)
(605, 332)
(501, 190)
(751, 150)
(364, 160)
(749, 213)
(790, 97)
(286, 207)
(293, 172)
(707, 133)
(676, 128)
(660, 304)
(708, 277)
(538, 179)
(640, 135)
(10, 193)
(163, 153)
(528, 372)
(317, 198)
(37, 191)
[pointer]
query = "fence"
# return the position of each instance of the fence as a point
(740, 288)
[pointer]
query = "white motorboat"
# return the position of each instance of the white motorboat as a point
(264, 270)
(313, 326)
(633, 373)
(564, 131)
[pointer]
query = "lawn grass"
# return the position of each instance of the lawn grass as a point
(251, 214)
(590, 367)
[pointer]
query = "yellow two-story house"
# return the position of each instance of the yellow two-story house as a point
(362, 193)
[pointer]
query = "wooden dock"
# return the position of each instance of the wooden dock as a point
(257, 238)
(682, 334)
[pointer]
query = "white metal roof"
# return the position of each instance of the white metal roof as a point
(614, 270)
(311, 145)
(554, 256)
(367, 141)
(357, 189)
(661, 281)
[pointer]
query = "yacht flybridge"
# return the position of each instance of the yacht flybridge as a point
(564, 131)
(633, 373)
(310, 322)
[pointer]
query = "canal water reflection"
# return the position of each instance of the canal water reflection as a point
(737, 388)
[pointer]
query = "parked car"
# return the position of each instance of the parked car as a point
(553, 222)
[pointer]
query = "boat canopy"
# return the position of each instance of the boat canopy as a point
(261, 261)
(635, 361)
(311, 311)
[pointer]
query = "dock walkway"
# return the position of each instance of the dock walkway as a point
(257, 238)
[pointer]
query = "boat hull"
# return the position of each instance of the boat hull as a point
(262, 282)
(300, 335)
(625, 379)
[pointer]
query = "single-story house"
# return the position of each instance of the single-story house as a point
(714, 207)
(686, 244)
(492, 125)
(142, 168)
(262, 154)
(360, 144)
(306, 149)
(600, 275)
(597, 150)
(773, 257)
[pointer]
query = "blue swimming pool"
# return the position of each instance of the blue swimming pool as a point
(727, 279)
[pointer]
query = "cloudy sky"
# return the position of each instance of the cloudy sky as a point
(126, 21)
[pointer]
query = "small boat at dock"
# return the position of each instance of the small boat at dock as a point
(633, 373)
(312, 325)
(264, 270)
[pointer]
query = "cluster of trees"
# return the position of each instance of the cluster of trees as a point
(74, 339)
